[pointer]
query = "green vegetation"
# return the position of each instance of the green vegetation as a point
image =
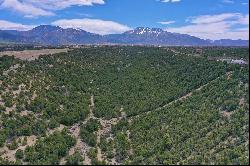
(74, 159)
(195, 131)
(19, 154)
(87, 132)
(125, 105)
(50, 149)
(227, 52)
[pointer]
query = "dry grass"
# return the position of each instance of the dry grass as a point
(32, 54)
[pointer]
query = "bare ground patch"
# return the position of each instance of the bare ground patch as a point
(10, 154)
(32, 54)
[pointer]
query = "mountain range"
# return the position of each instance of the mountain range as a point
(54, 35)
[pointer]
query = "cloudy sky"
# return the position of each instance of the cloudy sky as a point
(207, 19)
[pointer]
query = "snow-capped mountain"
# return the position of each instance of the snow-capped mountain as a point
(143, 31)
(155, 36)
(54, 35)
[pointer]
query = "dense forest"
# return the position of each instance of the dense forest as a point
(125, 105)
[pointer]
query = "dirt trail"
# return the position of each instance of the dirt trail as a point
(92, 103)
(91, 107)
(60, 128)
(81, 146)
(1, 100)
(130, 149)
(98, 133)
(179, 99)
(104, 130)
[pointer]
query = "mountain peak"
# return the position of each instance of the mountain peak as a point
(46, 28)
(149, 29)
(145, 30)
(54, 35)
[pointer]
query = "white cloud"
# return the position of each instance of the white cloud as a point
(35, 8)
(25, 8)
(244, 20)
(6, 25)
(212, 31)
(93, 25)
(206, 19)
(216, 26)
(166, 1)
(62, 4)
(228, 1)
(166, 22)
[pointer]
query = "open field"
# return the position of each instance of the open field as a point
(32, 54)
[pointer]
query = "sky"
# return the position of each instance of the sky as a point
(207, 19)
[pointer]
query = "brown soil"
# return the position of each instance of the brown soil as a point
(32, 54)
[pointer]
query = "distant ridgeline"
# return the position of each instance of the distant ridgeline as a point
(54, 35)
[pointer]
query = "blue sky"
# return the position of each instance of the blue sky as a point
(208, 19)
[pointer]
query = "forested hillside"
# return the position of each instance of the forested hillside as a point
(125, 105)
